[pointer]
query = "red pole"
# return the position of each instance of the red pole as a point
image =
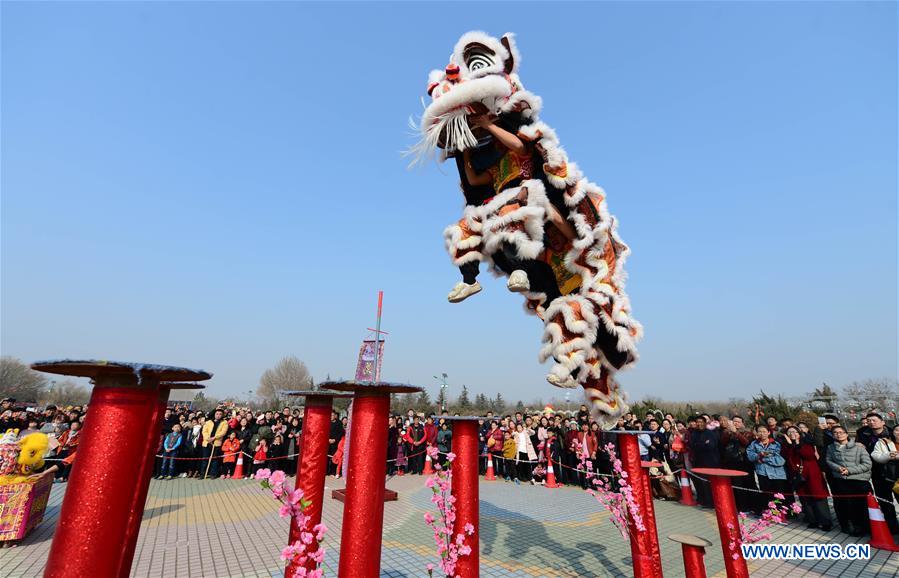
(649, 519)
(363, 512)
(726, 513)
(641, 550)
(312, 468)
(693, 548)
(465, 490)
(100, 516)
(154, 433)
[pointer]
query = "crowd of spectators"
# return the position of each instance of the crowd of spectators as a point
(803, 462)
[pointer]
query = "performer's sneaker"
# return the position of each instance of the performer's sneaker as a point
(565, 383)
(518, 282)
(463, 291)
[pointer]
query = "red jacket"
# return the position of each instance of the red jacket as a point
(430, 434)
(497, 435)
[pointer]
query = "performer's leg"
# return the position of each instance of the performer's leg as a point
(470, 272)
(469, 284)
(540, 276)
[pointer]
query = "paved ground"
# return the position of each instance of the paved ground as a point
(230, 528)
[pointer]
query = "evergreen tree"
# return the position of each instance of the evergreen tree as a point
(499, 404)
(464, 402)
(519, 406)
(441, 400)
(480, 402)
(423, 402)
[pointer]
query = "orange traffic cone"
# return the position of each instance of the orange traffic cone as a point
(550, 474)
(686, 492)
(429, 469)
(490, 476)
(238, 469)
(880, 531)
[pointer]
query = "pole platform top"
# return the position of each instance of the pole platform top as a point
(633, 432)
(315, 393)
(94, 368)
(181, 385)
(380, 387)
(438, 417)
(690, 540)
(719, 472)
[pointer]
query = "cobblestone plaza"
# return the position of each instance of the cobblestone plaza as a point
(231, 528)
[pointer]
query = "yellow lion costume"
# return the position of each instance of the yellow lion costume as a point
(22, 458)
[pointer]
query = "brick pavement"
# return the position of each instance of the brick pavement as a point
(230, 528)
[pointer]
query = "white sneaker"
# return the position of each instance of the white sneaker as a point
(463, 291)
(518, 282)
(565, 383)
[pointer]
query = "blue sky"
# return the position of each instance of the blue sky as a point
(217, 185)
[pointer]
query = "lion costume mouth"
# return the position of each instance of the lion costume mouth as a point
(444, 123)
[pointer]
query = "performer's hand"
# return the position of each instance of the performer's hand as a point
(480, 120)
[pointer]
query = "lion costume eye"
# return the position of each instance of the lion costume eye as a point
(477, 59)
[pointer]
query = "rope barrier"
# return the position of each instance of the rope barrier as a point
(797, 494)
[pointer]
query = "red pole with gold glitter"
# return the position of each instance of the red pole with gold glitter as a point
(312, 465)
(728, 522)
(104, 501)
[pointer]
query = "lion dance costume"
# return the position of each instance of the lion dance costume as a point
(588, 328)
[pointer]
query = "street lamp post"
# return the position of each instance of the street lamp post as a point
(443, 386)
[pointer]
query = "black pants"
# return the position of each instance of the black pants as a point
(883, 489)
(500, 467)
(703, 492)
(332, 467)
(523, 468)
(816, 511)
(852, 513)
(772, 486)
(470, 272)
(746, 500)
(540, 275)
(214, 467)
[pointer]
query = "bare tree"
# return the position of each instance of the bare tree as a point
(289, 374)
(872, 394)
(66, 392)
(20, 381)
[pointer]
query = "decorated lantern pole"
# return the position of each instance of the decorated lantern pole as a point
(103, 506)
(645, 566)
(693, 548)
(728, 521)
(312, 464)
(465, 491)
(363, 512)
